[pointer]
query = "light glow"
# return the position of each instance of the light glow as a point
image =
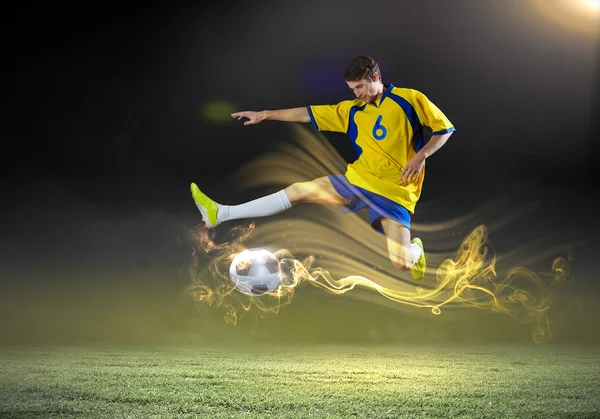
(592, 4)
(582, 16)
(341, 254)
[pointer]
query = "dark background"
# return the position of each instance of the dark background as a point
(106, 126)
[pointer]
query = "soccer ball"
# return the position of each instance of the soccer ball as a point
(255, 271)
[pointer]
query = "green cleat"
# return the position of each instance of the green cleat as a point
(208, 208)
(418, 269)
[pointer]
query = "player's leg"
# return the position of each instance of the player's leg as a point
(404, 253)
(319, 190)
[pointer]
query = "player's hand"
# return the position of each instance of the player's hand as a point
(253, 117)
(411, 171)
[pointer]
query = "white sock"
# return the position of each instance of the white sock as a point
(415, 250)
(261, 207)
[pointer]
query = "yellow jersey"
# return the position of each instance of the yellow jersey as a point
(386, 135)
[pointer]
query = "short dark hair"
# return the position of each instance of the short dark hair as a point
(361, 67)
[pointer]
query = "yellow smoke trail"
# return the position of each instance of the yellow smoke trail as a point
(343, 243)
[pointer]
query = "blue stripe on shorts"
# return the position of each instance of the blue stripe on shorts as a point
(379, 206)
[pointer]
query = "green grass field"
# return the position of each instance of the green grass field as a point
(301, 382)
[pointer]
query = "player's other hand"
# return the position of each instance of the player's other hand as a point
(411, 171)
(253, 117)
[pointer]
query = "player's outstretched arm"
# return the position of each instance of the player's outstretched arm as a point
(286, 115)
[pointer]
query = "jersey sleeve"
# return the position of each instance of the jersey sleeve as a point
(330, 117)
(431, 116)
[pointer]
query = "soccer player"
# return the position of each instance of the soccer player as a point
(385, 124)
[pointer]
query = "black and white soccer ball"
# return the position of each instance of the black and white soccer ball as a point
(255, 271)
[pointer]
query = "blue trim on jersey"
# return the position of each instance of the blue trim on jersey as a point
(313, 122)
(353, 129)
(411, 114)
(389, 88)
(419, 142)
(446, 131)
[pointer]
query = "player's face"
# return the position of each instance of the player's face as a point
(365, 90)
